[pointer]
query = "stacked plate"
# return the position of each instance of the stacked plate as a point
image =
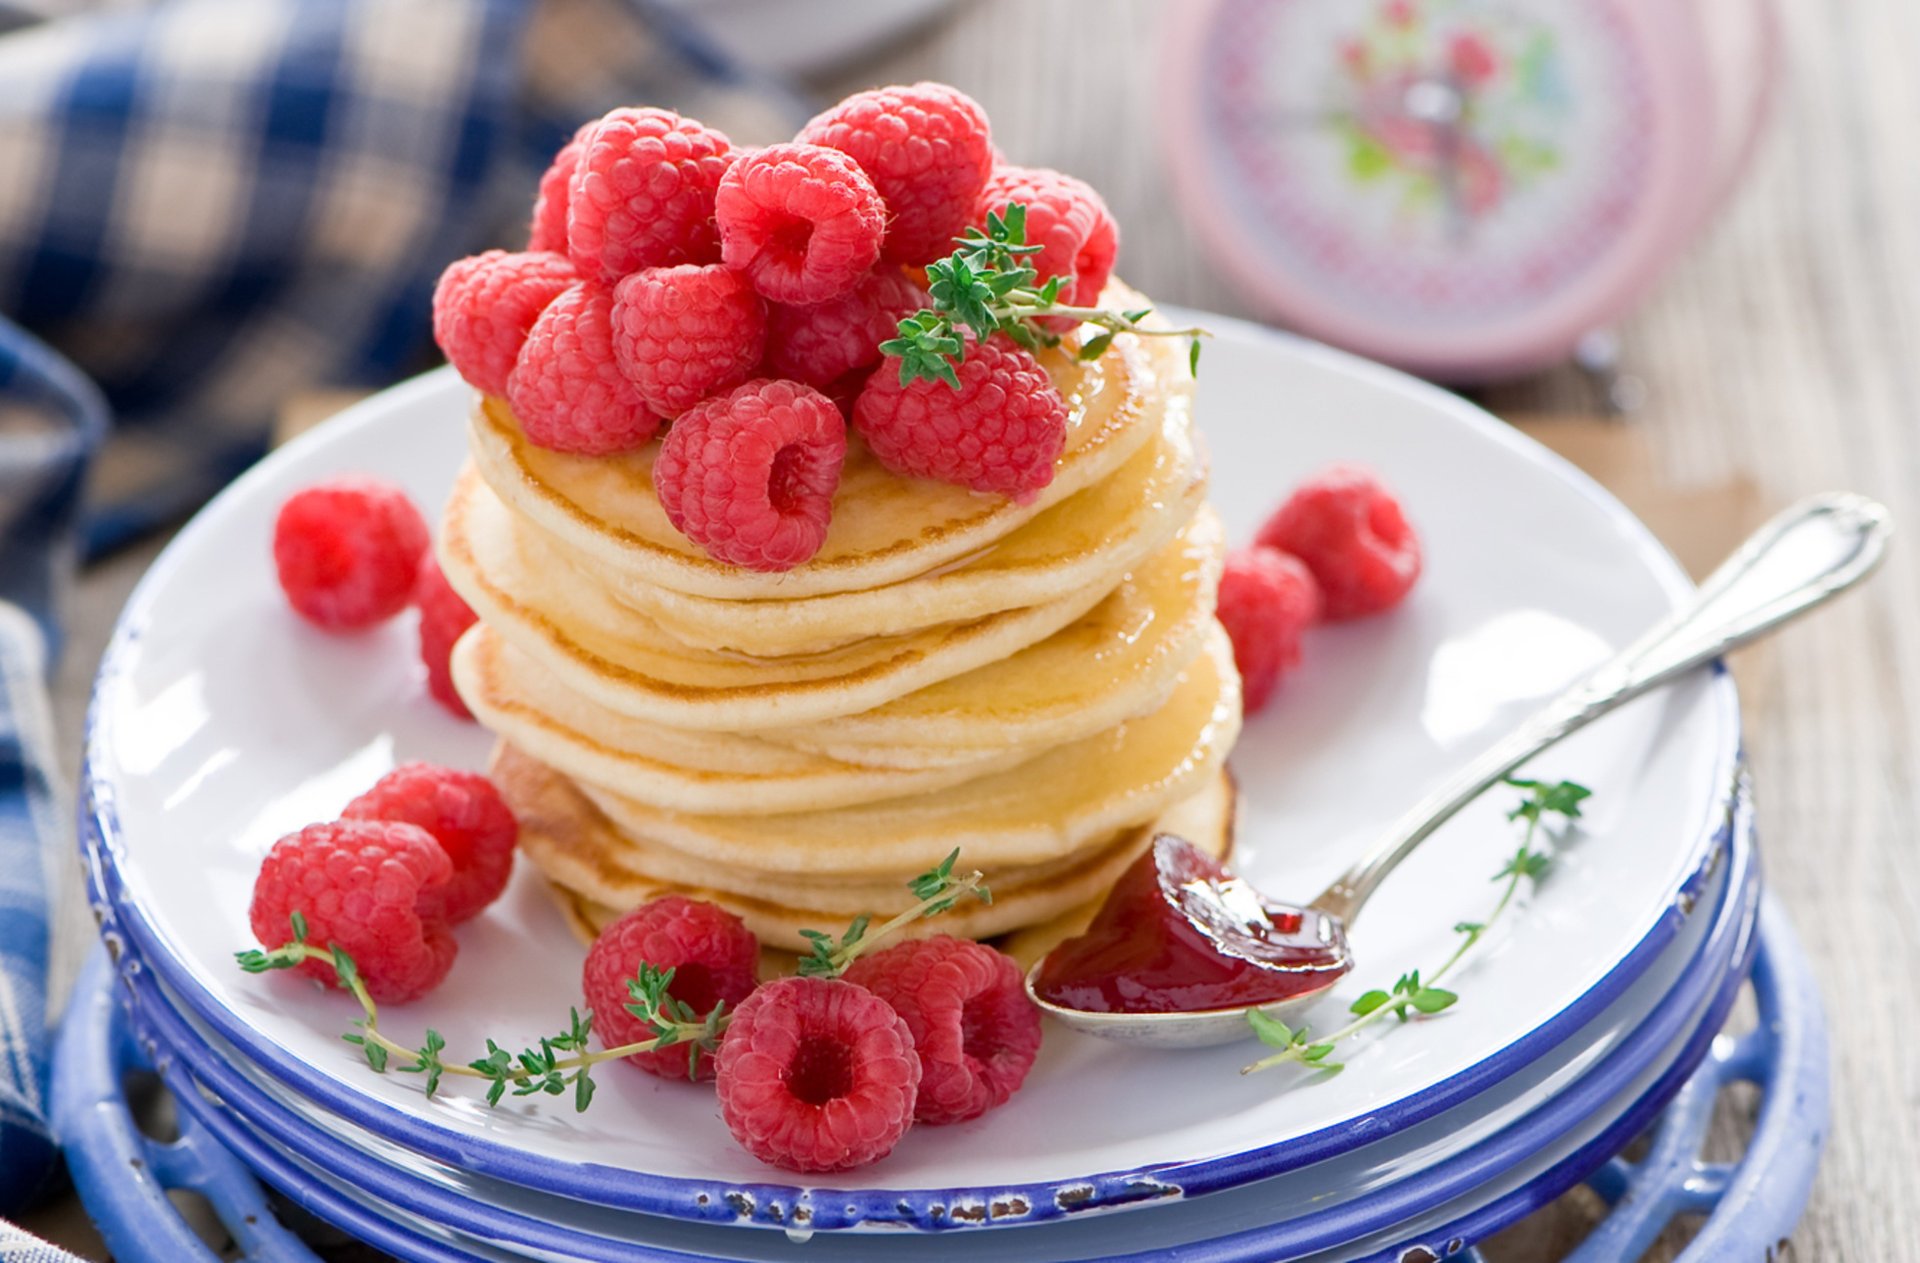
(220, 723)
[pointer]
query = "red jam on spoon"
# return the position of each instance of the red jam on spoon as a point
(1179, 934)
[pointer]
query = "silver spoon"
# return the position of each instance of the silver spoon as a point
(1808, 554)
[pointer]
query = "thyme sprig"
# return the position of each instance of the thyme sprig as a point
(1412, 995)
(563, 1061)
(937, 889)
(990, 285)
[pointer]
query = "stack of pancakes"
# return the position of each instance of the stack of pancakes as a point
(1040, 685)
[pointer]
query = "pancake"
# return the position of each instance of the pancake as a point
(886, 528)
(1053, 805)
(724, 752)
(521, 701)
(817, 894)
(1119, 660)
(1028, 677)
(1088, 540)
(559, 615)
(558, 826)
(1038, 685)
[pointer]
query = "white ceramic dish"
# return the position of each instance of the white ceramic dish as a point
(1568, 1139)
(221, 722)
(1355, 1193)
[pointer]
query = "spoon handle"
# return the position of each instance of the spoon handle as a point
(1811, 552)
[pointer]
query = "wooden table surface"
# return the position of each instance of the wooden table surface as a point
(1779, 358)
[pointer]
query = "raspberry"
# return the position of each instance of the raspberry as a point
(642, 194)
(484, 305)
(973, 1026)
(348, 551)
(818, 343)
(548, 230)
(1350, 531)
(1067, 220)
(1001, 431)
(714, 958)
(817, 1074)
(368, 888)
(567, 389)
(845, 390)
(1267, 598)
(465, 814)
(927, 151)
(443, 617)
(804, 223)
(682, 333)
(750, 475)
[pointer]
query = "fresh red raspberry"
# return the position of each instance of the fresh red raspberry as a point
(927, 151)
(682, 333)
(714, 957)
(348, 551)
(817, 1074)
(567, 389)
(642, 193)
(443, 617)
(368, 887)
(484, 305)
(1001, 431)
(1067, 220)
(973, 1027)
(1350, 531)
(466, 815)
(750, 475)
(740, 153)
(548, 231)
(1267, 599)
(820, 342)
(804, 223)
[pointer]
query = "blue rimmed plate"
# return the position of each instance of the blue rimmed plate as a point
(1647, 1031)
(221, 722)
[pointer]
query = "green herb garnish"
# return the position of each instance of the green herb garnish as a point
(1411, 995)
(989, 285)
(564, 1061)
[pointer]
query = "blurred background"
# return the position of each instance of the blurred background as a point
(1678, 241)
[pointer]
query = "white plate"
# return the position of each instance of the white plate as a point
(1363, 1191)
(1567, 1140)
(221, 722)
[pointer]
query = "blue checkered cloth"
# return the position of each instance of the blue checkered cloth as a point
(51, 420)
(32, 826)
(209, 206)
(21, 1247)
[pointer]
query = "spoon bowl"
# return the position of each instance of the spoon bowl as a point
(1203, 1029)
